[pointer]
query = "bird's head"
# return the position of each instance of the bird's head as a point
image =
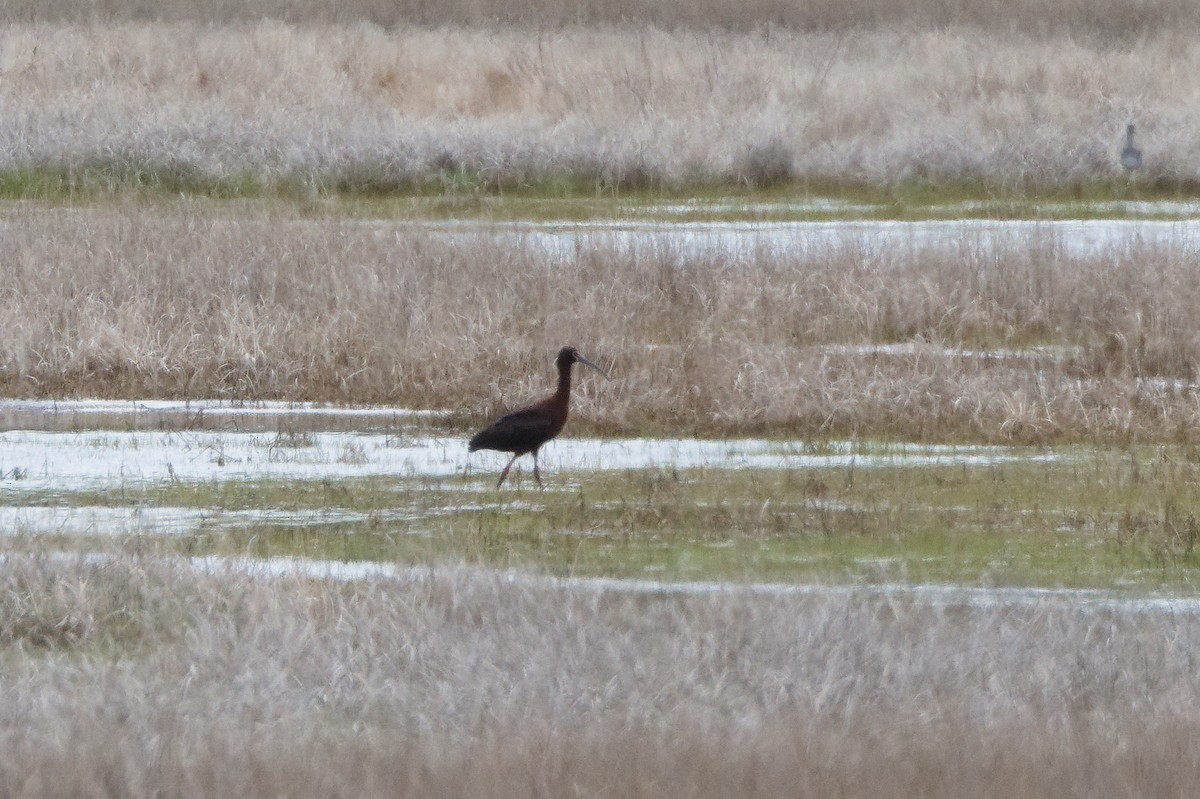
(570, 355)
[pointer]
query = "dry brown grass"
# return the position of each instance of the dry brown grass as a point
(195, 302)
(254, 106)
(1112, 18)
(464, 684)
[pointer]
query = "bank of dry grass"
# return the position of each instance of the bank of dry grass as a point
(465, 684)
(201, 302)
(1126, 19)
(272, 107)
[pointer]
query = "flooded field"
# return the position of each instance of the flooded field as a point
(390, 488)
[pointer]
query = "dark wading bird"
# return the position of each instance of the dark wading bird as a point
(523, 431)
(1131, 157)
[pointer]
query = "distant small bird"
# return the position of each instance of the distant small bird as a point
(523, 431)
(1131, 157)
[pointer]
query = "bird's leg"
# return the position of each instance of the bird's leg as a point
(504, 473)
(536, 475)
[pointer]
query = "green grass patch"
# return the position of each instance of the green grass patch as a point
(460, 192)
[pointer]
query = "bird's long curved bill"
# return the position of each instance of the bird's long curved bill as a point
(586, 362)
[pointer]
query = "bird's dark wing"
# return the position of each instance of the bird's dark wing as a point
(520, 432)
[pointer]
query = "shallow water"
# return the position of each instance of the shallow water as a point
(102, 521)
(108, 459)
(1073, 237)
(187, 415)
(79, 446)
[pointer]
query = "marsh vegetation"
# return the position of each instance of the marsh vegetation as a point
(959, 104)
(1014, 340)
(144, 677)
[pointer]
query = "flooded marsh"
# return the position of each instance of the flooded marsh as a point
(264, 480)
(825, 366)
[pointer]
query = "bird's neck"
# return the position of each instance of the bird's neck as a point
(563, 395)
